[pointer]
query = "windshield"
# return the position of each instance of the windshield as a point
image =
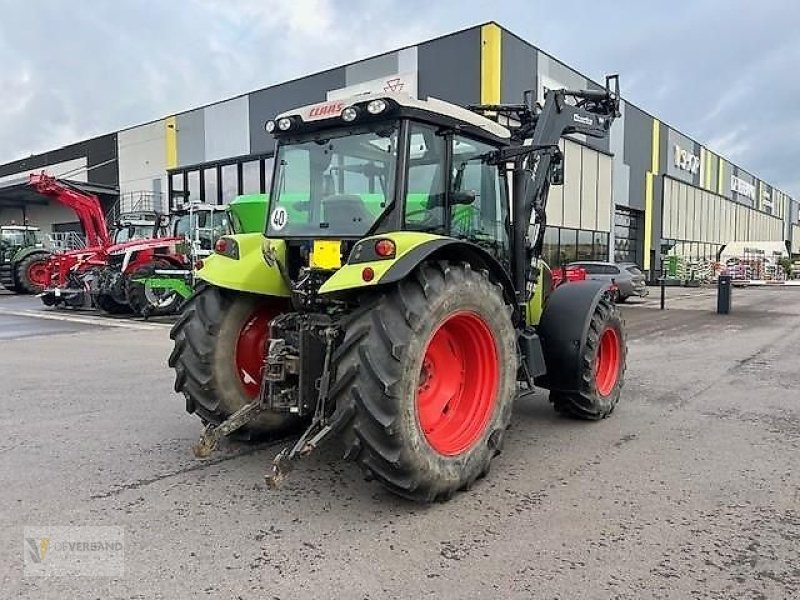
(19, 237)
(334, 187)
(133, 232)
(13, 237)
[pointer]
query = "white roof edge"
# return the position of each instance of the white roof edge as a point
(432, 105)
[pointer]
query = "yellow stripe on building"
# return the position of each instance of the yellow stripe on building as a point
(491, 63)
(720, 176)
(171, 142)
(655, 160)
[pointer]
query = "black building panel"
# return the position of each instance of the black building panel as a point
(100, 154)
(638, 152)
(519, 68)
(450, 68)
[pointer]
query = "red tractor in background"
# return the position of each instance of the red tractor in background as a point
(97, 274)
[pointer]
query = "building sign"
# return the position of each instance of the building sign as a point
(745, 188)
(686, 161)
(405, 83)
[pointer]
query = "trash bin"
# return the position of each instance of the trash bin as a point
(724, 295)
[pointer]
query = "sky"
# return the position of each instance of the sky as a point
(726, 72)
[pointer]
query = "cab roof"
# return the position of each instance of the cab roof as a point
(431, 109)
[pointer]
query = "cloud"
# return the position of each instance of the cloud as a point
(723, 72)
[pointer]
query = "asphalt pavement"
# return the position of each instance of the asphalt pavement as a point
(690, 490)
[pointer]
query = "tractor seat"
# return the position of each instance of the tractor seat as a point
(346, 214)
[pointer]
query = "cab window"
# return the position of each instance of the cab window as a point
(425, 188)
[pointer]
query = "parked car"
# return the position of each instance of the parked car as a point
(629, 279)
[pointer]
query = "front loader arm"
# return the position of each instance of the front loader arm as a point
(536, 158)
(86, 206)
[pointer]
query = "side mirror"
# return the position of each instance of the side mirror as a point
(466, 197)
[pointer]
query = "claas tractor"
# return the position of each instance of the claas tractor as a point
(22, 259)
(397, 300)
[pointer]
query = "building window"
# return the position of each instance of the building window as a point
(219, 183)
(211, 189)
(585, 241)
(251, 177)
(230, 182)
(177, 185)
(550, 247)
(193, 190)
(268, 166)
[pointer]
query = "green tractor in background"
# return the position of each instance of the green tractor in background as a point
(397, 299)
(23, 259)
(158, 289)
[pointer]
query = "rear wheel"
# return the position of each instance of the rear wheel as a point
(428, 373)
(220, 344)
(602, 364)
(31, 273)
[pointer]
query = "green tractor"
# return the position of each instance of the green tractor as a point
(159, 288)
(397, 299)
(22, 259)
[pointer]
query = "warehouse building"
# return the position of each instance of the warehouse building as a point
(632, 197)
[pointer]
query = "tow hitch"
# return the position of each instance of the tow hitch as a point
(282, 389)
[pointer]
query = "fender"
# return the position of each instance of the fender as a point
(413, 248)
(249, 272)
(23, 253)
(563, 328)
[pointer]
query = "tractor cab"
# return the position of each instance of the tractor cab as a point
(201, 225)
(138, 226)
(20, 236)
(346, 170)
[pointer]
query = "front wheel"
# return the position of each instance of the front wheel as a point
(110, 305)
(428, 372)
(602, 367)
(146, 300)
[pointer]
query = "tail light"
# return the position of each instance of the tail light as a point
(227, 247)
(385, 248)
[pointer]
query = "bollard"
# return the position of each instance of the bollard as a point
(663, 292)
(724, 295)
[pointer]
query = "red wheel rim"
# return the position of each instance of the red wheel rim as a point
(606, 370)
(37, 273)
(251, 349)
(457, 385)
